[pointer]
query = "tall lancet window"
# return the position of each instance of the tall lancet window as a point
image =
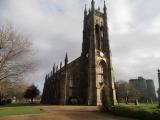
(100, 74)
(71, 87)
(101, 38)
(97, 29)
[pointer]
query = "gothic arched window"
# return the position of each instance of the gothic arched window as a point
(100, 74)
(100, 81)
(97, 28)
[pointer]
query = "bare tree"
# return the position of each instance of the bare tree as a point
(10, 90)
(126, 92)
(2, 90)
(14, 54)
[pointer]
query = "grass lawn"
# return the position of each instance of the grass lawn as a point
(7, 111)
(19, 104)
(145, 107)
(142, 111)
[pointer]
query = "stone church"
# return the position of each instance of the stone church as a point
(89, 79)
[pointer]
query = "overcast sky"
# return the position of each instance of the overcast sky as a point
(55, 27)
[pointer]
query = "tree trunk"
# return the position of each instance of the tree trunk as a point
(31, 100)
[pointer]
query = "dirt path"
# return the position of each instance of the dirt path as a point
(67, 113)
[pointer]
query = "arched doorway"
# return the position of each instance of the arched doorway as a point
(101, 69)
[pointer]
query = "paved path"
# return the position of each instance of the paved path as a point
(67, 113)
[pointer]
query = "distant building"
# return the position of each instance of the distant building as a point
(146, 87)
(151, 92)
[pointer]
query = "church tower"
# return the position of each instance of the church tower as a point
(96, 48)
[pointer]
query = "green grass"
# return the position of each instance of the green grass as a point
(142, 111)
(145, 107)
(7, 111)
(19, 104)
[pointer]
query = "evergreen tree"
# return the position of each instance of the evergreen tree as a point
(31, 92)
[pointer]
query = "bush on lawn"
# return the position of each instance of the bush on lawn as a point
(155, 115)
(136, 112)
(4, 102)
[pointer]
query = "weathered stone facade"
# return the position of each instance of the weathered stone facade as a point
(89, 79)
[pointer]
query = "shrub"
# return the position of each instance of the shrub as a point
(155, 115)
(4, 102)
(139, 112)
(8, 101)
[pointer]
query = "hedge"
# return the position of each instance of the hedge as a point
(138, 112)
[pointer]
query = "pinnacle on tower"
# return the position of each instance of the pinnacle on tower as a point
(46, 77)
(54, 68)
(105, 8)
(51, 73)
(89, 10)
(57, 68)
(92, 4)
(60, 65)
(85, 10)
(98, 8)
(159, 75)
(66, 59)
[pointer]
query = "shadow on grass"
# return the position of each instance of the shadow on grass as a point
(19, 104)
